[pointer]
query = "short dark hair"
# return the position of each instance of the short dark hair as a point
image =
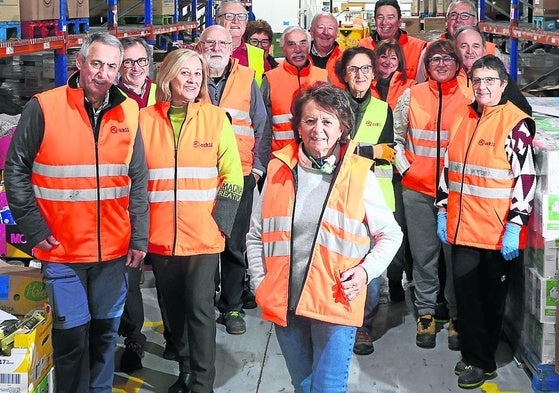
(131, 41)
(258, 26)
(348, 54)
(329, 98)
(491, 62)
(393, 3)
(442, 46)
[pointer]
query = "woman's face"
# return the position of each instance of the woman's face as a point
(185, 87)
(488, 88)
(319, 130)
(359, 74)
(442, 67)
(387, 64)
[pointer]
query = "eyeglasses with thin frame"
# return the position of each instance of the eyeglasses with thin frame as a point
(462, 15)
(230, 16)
(98, 64)
(488, 80)
(129, 63)
(264, 43)
(447, 60)
(213, 43)
(365, 69)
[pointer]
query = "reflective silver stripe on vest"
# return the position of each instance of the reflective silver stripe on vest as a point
(183, 195)
(340, 245)
(88, 195)
(283, 135)
(183, 173)
(430, 136)
(66, 171)
(242, 116)
(243, 130)
(481, 171)
(384, 172)
(482, 192)
(277, 224)
(281, 119)
(238, 114)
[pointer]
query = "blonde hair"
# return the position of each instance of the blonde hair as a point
(170, 68)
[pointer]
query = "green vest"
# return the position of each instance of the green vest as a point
(256, 62)
(369, 131)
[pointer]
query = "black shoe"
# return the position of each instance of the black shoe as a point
(473, 377)
(131, 359)
(182, 385)
(169, 352)
(441, 313)
(233, 321)
(248, 299)
(396, 291)
(461, 366)
(363, 343)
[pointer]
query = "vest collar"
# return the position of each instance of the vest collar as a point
(291, 69)
(446, 87)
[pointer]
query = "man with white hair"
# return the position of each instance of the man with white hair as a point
(232, 87)
(325, 51)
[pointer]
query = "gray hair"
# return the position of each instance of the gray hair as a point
(127, 42)
(290, 30)
(454, 3)
(223, 4)
(104, 38)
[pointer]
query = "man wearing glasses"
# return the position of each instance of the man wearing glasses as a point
(325, 51)
(134, 80)
(233, 88)
(233, 16)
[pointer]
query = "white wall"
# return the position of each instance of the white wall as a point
(279, 14)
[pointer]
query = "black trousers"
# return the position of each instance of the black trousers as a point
(186, 286)
(480, 282)
(233, 258)
(132, 318)
(402, 260)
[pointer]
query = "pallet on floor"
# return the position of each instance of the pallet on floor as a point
(10, 31)
(77, 26)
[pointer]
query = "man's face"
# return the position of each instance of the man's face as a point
(235, 12)
(216, 48)
(324, 32)
(387, 22)
(98, 71)
(135, 66)
(460, 15)
(469, 47)
(296, 48)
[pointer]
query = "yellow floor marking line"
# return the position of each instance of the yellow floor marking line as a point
(132, 385)
(489, 387)
(155, 325)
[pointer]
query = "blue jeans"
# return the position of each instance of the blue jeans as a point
(371, 304)
(317, 354)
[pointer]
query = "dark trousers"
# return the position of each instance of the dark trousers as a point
(480, 282)
(402, 259)
(187, 290)
(132, 318)
(233, 258)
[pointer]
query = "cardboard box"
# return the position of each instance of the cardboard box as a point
(30, 359)
(39, 10)
(544, 295)
(10, 11)
(411, 25)
(539, 337)
(546, 8)
(545, 216)
(542, 254)
(78, 9)
(136, 7)
(21, 289)
(434, 23)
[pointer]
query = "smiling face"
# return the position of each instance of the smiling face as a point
(98, 71)
(185, 87)
(359, 75)
(319, 130)
(216, 45)
(136, 75)
(469, 46)
(296, 48)
(488, 88)
(236, 27)
(452, 24)
(387, 22)
(387, 64)
(442, 67)
(324, 31)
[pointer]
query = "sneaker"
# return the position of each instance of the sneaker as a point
(249, 302)
(453, 337)
(233, 321)
(472, 377)
(363, 342)
(131, 359)
(461, 366)
(396, 291)
(426, 332)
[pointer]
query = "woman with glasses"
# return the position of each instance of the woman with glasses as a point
(259, 33)
(319, 233)
(422, 121)
(485, 199)
(373, 126)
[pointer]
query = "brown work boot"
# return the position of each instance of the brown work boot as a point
(426, 332)
(363, 342)
(453, 337)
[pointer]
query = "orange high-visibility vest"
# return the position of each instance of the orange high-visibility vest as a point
(335, 56)
(82, 185)
(395, 89)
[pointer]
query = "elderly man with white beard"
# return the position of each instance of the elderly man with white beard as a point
(232, 87)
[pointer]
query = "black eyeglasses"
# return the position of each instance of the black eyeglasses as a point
(447, 60)
(462, 15)
(365, 69)
(489, 81)
(129, 63)
(262, 43)
(230, 16)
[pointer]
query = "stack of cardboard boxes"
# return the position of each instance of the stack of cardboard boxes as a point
(546, 15)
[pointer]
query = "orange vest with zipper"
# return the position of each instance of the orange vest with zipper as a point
(433, 109)
(336, 55)
(81, 185)
(395, 90)
(342, 241)
(480, 178)
(182, 188)
(285, 83)
(235, 100)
